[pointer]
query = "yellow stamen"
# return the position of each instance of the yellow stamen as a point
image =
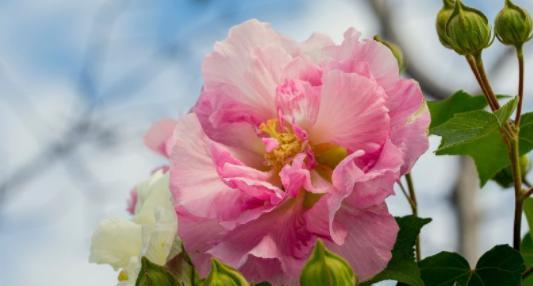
(122, 276)
(288, 143)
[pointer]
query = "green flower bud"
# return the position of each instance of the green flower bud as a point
(513, 25)
(395, 49)
(468, 30)
(504, 178)
(442, 19)
(327, 269)
(525, 165)
(223, 275)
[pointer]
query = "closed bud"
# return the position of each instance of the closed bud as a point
(326, 268)
(223, 275)
(395, 49)
(442, 19)
(513, 25)
(468, 30)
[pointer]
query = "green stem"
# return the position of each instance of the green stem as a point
(485, 80)
(414, 208)
(520, 56)
(473, 66)
(510, 136)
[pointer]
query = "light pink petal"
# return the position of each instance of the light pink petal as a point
(409, 121)
(198, 236)
(357, 188)
(376, 184)
(196, 184)
(352, 113)
(241, 76)
(353, 52)
(297, 176)
(158, 138)
(371, 234)
(257, 270)
(280, 234)
(313, 48)
(297, 102)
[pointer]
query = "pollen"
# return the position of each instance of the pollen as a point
(122, 276)
(288, 143)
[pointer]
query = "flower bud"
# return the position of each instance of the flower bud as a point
(468, 30)
(395, 49)
(326, 268)
(223, 275)
(442, 19)
(513, 25)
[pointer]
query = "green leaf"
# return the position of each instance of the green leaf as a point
(445, 268)
(154, 275)
(443, 110)
(504, 113)
(500, 266)
(402, 267)
(477, 134)
(526, 249)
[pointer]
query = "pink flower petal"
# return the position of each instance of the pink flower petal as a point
(241, 76)
(280, 234)
(352, 113)
(371, 234)
(196, 182)
(409, 121)
(296, 176)
(353, 52)
(376, 184)
(158, 138)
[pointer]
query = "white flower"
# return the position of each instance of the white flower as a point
(151, 232)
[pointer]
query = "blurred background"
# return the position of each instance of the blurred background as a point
(81, 81)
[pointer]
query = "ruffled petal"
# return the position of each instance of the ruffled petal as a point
(352, 113)
(410, 121)
(373, 186)
(354, 55)
(280, 234)
(297, 176)
(371, 234)
(207, 181)
(241, 76)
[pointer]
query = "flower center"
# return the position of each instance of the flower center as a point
(281, 141)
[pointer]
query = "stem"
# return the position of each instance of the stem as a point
(510, 136)
(485, 80)
(472, 62)
(527, 193)
(517, 178)
(407, 197)
(414, 208)
(520, 56)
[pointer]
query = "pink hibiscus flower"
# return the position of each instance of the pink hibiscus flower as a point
(289, 143)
